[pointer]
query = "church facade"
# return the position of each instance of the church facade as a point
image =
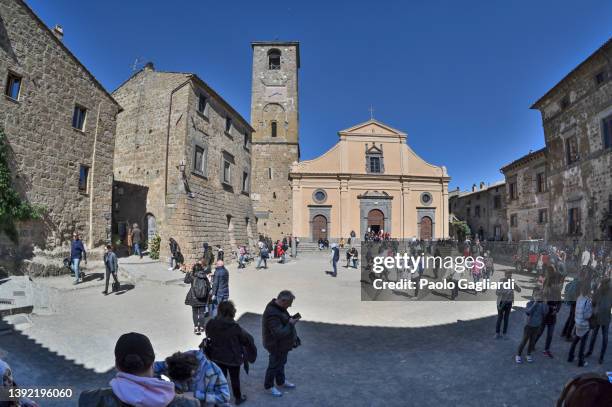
(371, 180)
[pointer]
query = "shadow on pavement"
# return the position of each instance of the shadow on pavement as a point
(33, 365)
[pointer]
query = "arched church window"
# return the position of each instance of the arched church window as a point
(273, 129)
(274, 59)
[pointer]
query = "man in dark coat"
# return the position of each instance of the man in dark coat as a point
(220, 287)
(279, 337)
(208, 257)
(137, 239)
(112, 267)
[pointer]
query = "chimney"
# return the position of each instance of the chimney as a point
(149, 66)
(482, 185)
(58, 31)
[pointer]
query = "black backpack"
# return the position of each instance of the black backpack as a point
(201, 288)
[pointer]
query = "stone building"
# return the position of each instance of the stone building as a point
(182, 164)
(527, 196)
(274, 116)
(483, 208)
(60, 127)
(577, 120)
(371, 180)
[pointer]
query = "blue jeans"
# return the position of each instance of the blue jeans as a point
(215, 305)
(265, 261)
(335, 265)
(76, 265)
(137, 249)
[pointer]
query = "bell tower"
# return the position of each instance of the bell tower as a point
(275, 142)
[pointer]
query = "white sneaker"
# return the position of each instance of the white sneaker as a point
(170, 268)
(275, 392)
(288, 385)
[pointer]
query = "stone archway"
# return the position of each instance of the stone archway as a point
(319, 228)
(376, 220)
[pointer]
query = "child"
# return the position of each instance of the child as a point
(536, 310)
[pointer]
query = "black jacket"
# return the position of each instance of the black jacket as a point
(191, 299)
(229, 344)
(278, 335)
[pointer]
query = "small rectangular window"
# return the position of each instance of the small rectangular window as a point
(269, 173)
(497, 201)
(512, 191)
(199, 161)
(574, 221)
(83, 178)
(513, 220)
(600, 77)
(202, 104)
(246, 139)
(245, 181)
(227, 174)
(542, 216)
(607, 132)
(468, 212)
(13, 86)
(374, 164)
(540, 182)
(273, 129)
(78, 117)
(228, 125)
(477, 211)
(571, 150)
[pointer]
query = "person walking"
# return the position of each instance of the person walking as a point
(335, 256)
(112, 267)
(549, 321)
(77, 253)
(572, 289)
(505, 299)
(220, 287)
(137, 240)
(198, 295)
(279, 337)
(134, 384)
(263, 255)
(220, 253)
(174, 254)
(230, 346)
(536, 310)
(584, 311)
(603, 305)
(130, 242)
(208, 257)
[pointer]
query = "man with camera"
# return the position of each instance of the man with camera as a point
(279, 337)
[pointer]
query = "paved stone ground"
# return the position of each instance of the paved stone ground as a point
(354, 353)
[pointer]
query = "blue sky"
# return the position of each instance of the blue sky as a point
(457, 76)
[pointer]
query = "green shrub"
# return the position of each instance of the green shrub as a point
(154, 247)
(12, 207)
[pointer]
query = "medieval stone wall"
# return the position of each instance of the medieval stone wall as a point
(46, 151)
(196, 207)
(586, 183)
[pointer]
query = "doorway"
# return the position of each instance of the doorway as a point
(376, 220)
(426, 228)
(319, 228)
